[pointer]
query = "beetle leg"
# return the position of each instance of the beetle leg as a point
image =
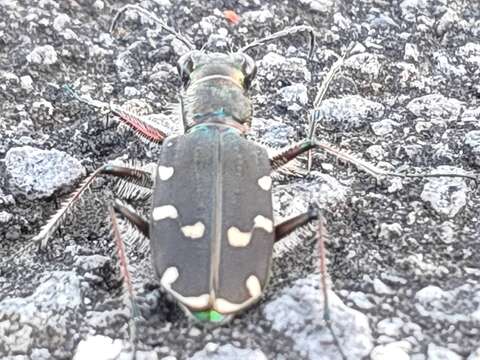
(140, 223)
(135, 176)
(127, 280)
(295, 150)
(322, 237)
(283, 33)
(288, 226)
(141, 126)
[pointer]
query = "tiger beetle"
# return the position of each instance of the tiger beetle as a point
(210, 227)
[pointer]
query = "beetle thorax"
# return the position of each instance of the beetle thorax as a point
(216, 94)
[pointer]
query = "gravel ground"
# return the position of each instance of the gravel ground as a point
(404, 255)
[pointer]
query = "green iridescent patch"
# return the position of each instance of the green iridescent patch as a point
(209, 315)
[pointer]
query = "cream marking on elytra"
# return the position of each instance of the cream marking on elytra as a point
(238, 238)
(191, 302)
(264, 223)
(227, 307)
(253, 286)
(265, 182)
(165, 172)
(164, 212)
(194, 231)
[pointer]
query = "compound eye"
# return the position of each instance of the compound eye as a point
(249, 68)
(185, 67)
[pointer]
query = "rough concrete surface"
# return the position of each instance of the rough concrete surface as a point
(404, 255)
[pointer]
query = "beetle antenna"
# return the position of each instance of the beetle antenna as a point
(322, 237)
(149, 15)
(283, 33)
(312, 123)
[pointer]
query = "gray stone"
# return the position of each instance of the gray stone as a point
(381, 288)
(411, 52)
(297, 313)
(472, 147)
(321, 6)
(23, 319)
(410, 9)
(294, 97)
(461, 304)
(470, 52)
(5, 217)
(436, 106)
(446, 195)
(365, 63)
(348, 113)
(475, 355)
(272, 132)
(213, 351)
(60, 21)
(360, 300)
(383, 127)
(258, 16)
(391, 327)
(40, 173)
(436, 352)
(445, 65)
(471, 116)
(26, 83)
(41, 354)
(92, 262)
(390, 231)
(44, 55)
(272, 64)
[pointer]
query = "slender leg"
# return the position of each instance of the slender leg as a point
(295, 150)
(296, 222)
(127, 280)
(288, 226)
(322, 237)
(283, 33)
(140, 223)
(141, 126)
(133, 175)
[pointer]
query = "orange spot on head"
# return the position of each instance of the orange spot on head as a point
(231, 16)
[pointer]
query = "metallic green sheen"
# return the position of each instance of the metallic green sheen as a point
(209, 315)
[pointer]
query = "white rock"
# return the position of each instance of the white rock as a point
(391, 327)
(393, 351)
(45, 55)
(436, 352)
(446, 195)
(297, 313)
(98, 347)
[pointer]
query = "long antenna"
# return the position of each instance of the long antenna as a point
(156, 20)
(283, 33)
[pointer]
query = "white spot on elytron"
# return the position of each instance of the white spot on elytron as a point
(265, 182)
(169, 276)
(255, 290)
(263, 223)
(165, 172)
(164, 212)
(253, 286)
(193, 302)
(226, 307)
(238, 238)
(194, 231)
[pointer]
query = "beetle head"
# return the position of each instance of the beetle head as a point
(197, 64)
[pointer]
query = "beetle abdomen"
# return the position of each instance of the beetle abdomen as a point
(212, 231)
